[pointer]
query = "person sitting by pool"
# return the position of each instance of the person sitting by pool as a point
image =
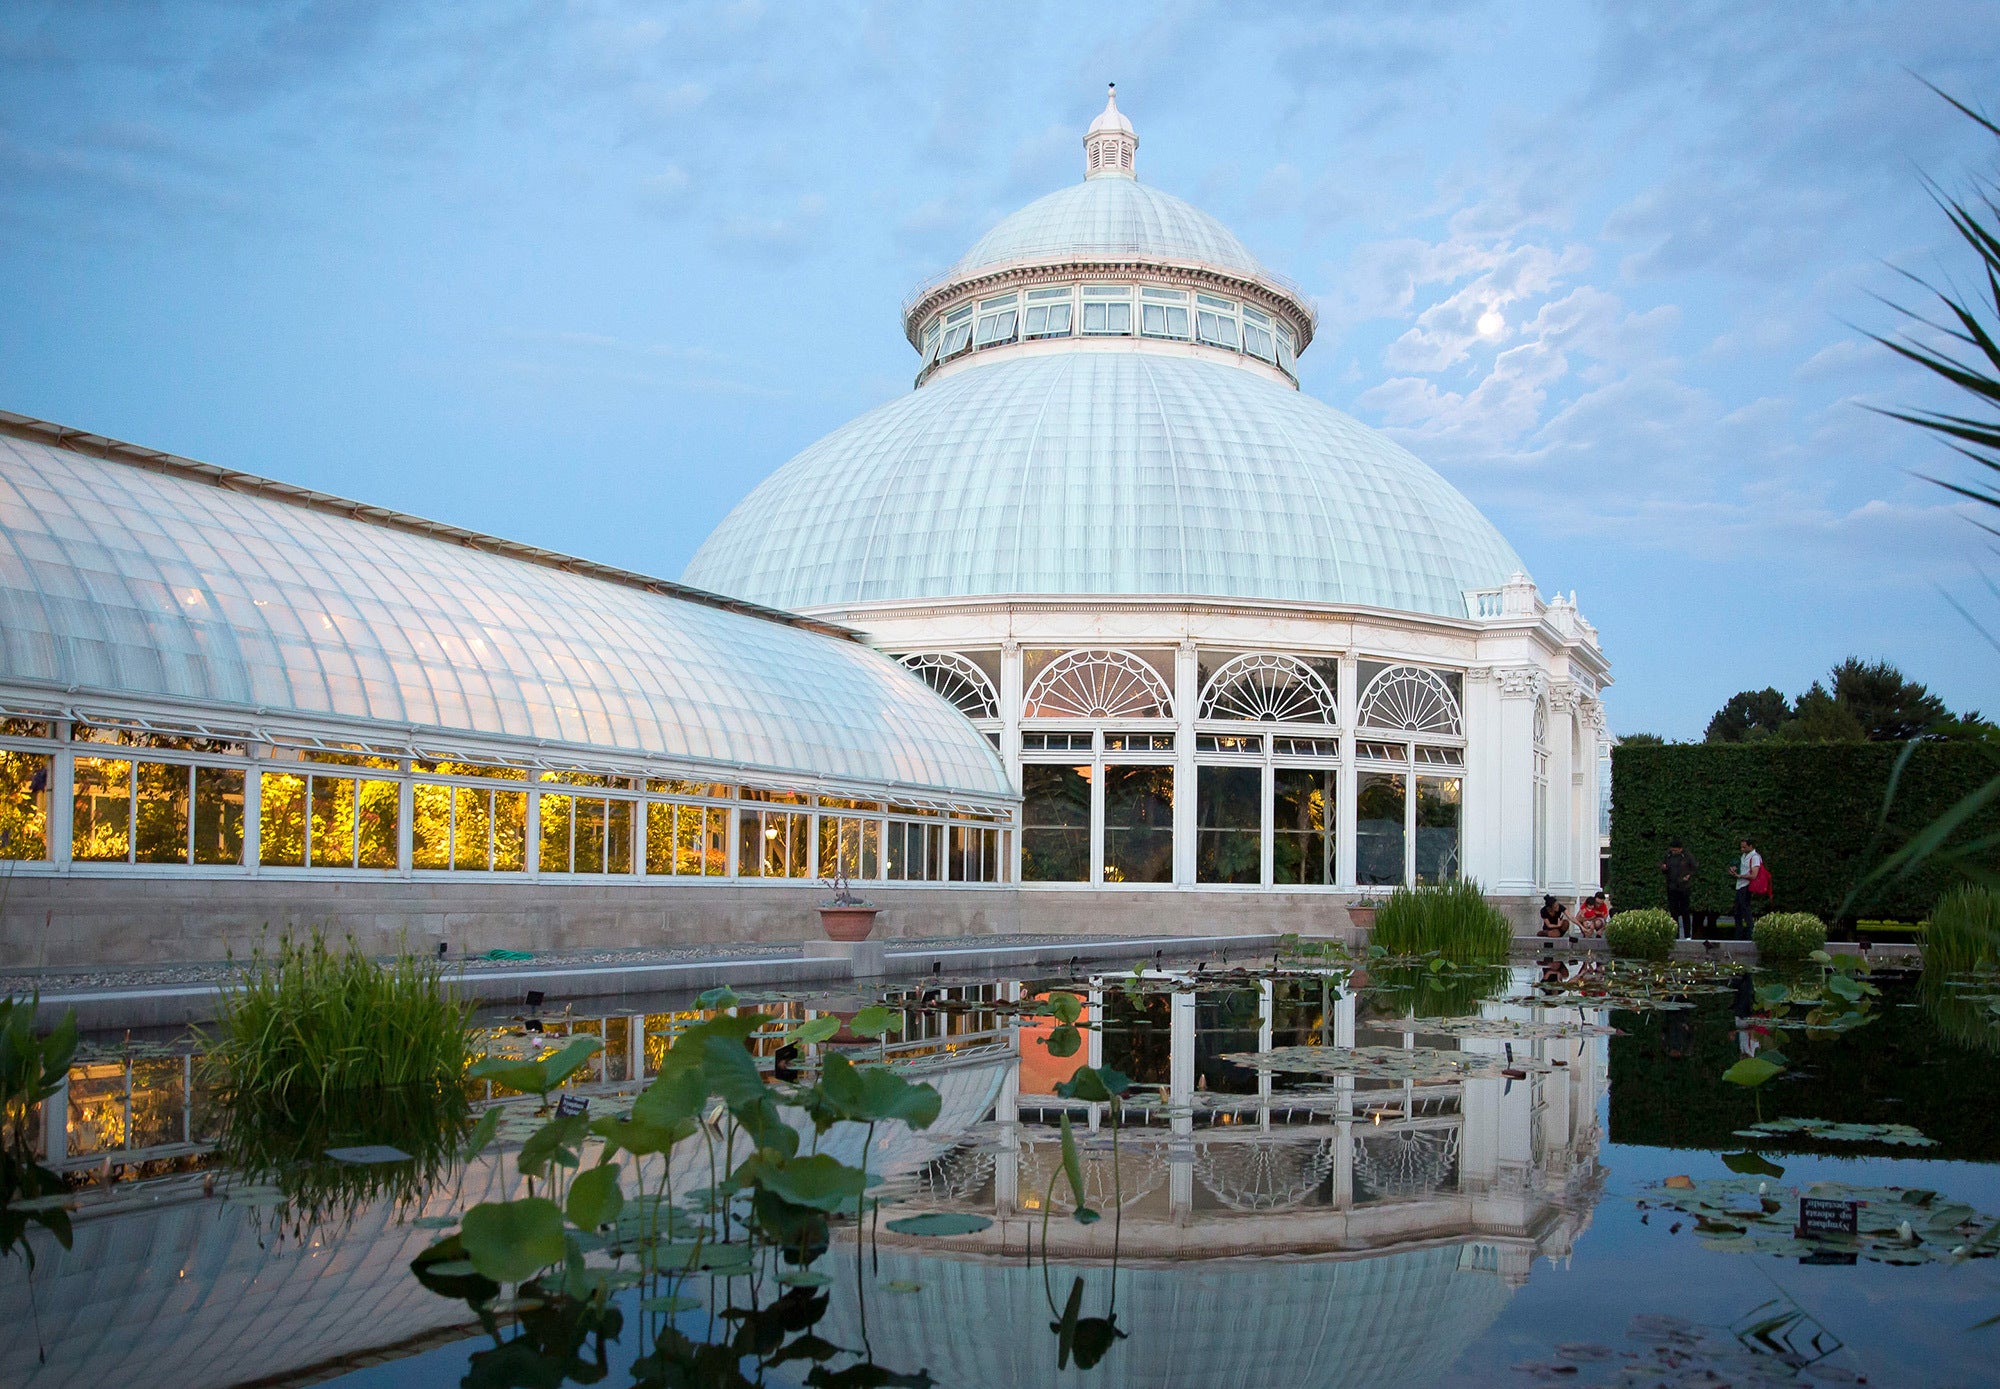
(1593, 913)
(1555, 918)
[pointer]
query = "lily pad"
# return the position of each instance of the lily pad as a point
(937, 1223)
(435, 1222)
(669, 1303)
(805, 1278)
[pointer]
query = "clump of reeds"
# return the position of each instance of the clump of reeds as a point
(312, 1022)
(1964, 932)
(1450, 919)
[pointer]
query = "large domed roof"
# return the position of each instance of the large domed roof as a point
(1114, 473)
(1110, 218)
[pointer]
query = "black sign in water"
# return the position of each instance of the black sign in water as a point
(1821, 1217)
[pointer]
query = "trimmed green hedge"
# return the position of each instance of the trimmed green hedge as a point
(1810, 808)
(1788, 936)
(1645, 933)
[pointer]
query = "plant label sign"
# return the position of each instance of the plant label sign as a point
(1822, 1217)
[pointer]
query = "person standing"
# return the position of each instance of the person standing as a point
(1749, 878)
(1678, 868)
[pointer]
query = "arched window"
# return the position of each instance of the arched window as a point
(1269, 689)
(1411, 700)
(1098, 685)
(958, 680)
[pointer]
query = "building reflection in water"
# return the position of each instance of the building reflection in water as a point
(1301, 1230)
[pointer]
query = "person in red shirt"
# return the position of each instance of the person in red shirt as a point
(1594, 912)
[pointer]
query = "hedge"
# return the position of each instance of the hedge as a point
(1811, 809)
(1782, 936)
(1644, 933)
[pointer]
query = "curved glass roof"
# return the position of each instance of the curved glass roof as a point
(1387, 1319)
(1109, 217)
(157, 581)
(1101, 473)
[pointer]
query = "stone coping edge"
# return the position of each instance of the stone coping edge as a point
(169, 1005)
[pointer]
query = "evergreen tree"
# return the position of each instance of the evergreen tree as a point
(1748, 717)
(1889, 707)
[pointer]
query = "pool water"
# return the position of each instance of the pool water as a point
(1324, 1173)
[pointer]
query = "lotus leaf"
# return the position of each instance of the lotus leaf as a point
(511, 1241)
(939, 1223)
(595, 1198)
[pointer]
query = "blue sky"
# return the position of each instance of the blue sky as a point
(582, 274)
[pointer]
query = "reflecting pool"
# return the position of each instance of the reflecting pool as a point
(1304, 1172)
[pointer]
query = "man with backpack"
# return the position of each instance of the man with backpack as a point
(1753, 879)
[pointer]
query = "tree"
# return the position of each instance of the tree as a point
(1641, 740)
(1889, 707)
(1749, 716)
(1818, 717)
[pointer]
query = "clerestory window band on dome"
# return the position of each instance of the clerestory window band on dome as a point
(1098, 685)
(1269, 688)
(958, 680)
(1413, 700)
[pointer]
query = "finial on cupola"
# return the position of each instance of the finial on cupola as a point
(1110, 146)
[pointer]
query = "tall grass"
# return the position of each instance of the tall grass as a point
(1964, 932)
(1451, 919)
(314, 1022)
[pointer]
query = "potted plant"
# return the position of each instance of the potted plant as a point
(1362, 913)
(846, 917)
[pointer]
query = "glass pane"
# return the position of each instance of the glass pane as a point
(24, 800)
(683, 826)
(1437, 828)
(1378, 829)
(1303, 825)
(618, 837)
(1055, 825)
(751, 836)
(163, 812)
(430, 830)
(332, 805)
(158, 1085)
(472, 829)
(101, 811)
(218, 815)
(716, 861)
(556, 815)
(798, 844)
(893, 846)
(1138, 824)
(589, 837)
(871, 849)
(1229, 806)
(660, 836)
(281, 820)
(380, 818)
(510, 831)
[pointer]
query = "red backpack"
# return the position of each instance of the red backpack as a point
(1760, 881)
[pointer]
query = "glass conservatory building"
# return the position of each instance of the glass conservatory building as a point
(227, 703)
(1225, 637)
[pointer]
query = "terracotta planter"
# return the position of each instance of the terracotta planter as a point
(847, 923)
(1362, 917)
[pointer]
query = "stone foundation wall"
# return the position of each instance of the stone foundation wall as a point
(74, 921)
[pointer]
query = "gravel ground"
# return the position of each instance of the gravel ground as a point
(222, 971)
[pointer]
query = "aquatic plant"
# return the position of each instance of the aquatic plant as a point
(1438, 988)
(32, 1068)
(1451, 919)
(417, 1134)
(1964, 932)
(767, 1207)
(1783, 936)
(313, 1022)
(1646, 933)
